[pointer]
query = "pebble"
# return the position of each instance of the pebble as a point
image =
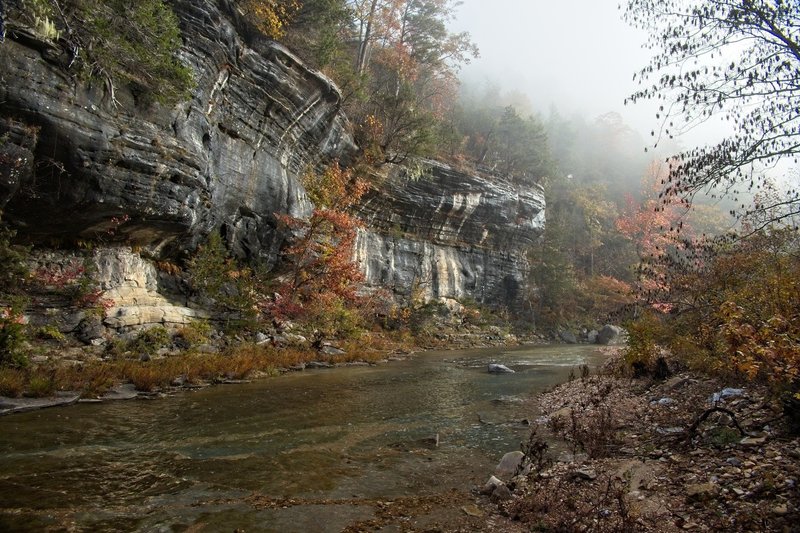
(588, 474)
(472, 510)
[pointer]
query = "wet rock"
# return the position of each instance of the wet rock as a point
(125, 391)
(495, 368)
(509, 464)
(591, 337)
(19, 405)
(319, 364)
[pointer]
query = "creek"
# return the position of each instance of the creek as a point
(317, 450)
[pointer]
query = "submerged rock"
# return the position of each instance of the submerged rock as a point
(495, 368)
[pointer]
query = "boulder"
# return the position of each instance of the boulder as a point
(90, 329)
(509, 464)
(495, 368)
(490, 485)
(609, 334)
(329, 349)
(568, 337)
(501, 494)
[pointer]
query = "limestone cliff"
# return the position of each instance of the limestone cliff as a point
(228, 158)
(450, 234)
(106, 168)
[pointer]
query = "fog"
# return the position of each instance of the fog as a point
(576, 55)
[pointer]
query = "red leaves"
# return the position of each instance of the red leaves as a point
(321, 252)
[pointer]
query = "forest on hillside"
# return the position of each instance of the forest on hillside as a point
(696, 247)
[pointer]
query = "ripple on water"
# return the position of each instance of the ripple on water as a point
(323, 436)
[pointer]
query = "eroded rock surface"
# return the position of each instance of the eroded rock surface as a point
(228, 158)
(107, 168)
(450, 234)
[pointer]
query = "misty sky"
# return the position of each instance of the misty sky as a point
(576, 54)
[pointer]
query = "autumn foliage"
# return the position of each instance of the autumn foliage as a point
(271, 16)
(322, 276)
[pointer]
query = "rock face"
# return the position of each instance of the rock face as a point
(450, 234)
(132, 285)
(102, 167)
(228, 158)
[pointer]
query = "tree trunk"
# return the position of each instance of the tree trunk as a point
(363, 49)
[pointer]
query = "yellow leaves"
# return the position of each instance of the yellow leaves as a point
(335, 188)
(271, 16)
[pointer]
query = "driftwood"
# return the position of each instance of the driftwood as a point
(692, 431)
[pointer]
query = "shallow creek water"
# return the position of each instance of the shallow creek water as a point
(310, 451)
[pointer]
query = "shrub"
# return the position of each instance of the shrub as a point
(13, 258)
(149, 341)
(215, 275)
(40, 385)
(50, 332)
(195, 333)
(270, 17)
(12, 382)
(12, 339)
(135, 43)
(642, 350)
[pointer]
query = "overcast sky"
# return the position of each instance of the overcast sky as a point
(576, 54)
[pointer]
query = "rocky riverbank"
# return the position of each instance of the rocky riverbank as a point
(691, 452)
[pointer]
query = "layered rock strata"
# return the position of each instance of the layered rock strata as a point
(89, 164)
(450, 234)
(228, 158)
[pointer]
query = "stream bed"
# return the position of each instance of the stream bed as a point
(383, 447)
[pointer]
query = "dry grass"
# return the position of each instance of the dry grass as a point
(93, 378)
(12, 382)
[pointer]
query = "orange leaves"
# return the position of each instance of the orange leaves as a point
(321, 254)
(740, 307)
(335, 188)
